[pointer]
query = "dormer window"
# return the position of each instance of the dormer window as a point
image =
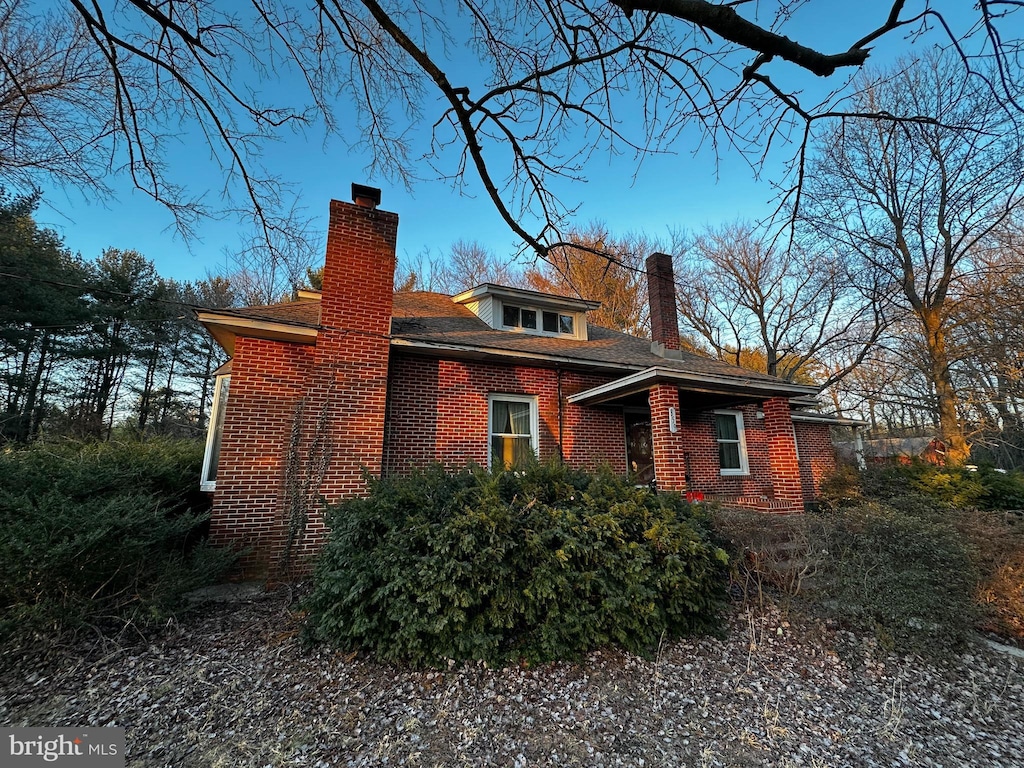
(517, 309)
(526, 319)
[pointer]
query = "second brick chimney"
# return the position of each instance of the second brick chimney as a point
(661, 293)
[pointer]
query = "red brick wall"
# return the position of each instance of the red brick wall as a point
(771, 476)
(817, 456)
(704, 469)
(295, 433)
(438, 410)
(267, 386)
(593, 436)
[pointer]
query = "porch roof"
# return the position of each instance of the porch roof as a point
(702, 382)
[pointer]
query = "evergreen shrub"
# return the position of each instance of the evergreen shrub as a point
(90, 532)
(948, 487)
(540, 564)
(906, 572)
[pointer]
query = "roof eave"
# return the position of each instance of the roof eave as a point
(226, 328)
(824, 418)
(537, 297)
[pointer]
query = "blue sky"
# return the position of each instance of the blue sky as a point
(678, 191)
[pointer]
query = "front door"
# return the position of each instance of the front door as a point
(639, 447)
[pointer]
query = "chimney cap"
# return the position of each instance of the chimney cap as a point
(365, 196)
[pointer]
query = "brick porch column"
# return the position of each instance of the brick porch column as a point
(785, 469)
(669, 458)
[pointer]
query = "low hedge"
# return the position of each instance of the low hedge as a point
(542, 564)
(904, 570)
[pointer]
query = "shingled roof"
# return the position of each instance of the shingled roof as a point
(432, 322)
(421, 318)
(305, 312)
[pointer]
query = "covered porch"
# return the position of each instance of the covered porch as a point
(709, 437)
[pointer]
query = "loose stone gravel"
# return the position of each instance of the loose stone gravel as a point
(230, 685)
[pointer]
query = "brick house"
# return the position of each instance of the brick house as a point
(358, 378)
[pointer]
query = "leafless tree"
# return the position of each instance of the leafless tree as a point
(270, 266)
(783, 308)
(466, 265)
(890, 388)
(914, 201)
(601, 267)
(56, 102)
(555, 82)
(987, 341)
(470, 264)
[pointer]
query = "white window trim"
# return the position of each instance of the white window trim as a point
(744, 468)
(534, 420)
(216, 419)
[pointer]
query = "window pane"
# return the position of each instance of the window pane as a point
(510, 316)
(529, 318)
(500, 422)
(729, 455)
(215, 430)
(510, 451)
(509, 417)
(519, 418)
(565, 324)
(551, 322)
(512, 437)
(725, 427)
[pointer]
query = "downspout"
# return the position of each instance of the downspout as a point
(561, 415)
(385, 448)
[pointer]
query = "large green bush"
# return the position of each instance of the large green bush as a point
(1003, 490)
(545, 563)
(97, 531)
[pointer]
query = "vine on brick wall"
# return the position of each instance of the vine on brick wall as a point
(303, 479)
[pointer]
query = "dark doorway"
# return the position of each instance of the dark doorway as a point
(639, 446)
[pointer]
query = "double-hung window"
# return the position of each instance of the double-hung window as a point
(732, 445)
(513, 430)
(208, 480)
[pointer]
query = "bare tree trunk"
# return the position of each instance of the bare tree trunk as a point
(946, 398)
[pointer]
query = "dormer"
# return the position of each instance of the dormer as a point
(521, 311)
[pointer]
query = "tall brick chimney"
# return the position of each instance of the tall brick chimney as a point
(343, 408)
(304, 421)
(661, 294)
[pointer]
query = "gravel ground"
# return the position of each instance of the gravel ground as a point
(230, 685)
